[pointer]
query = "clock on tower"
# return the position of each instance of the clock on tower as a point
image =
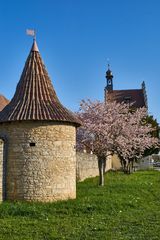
(109, 78)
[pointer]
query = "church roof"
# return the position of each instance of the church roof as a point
(132, 96)
(35, 97)
(3, 102)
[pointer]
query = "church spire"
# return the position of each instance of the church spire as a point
(34, 46)
(109, 78)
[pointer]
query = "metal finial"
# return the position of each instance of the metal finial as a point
(34, 37)
(108, 63)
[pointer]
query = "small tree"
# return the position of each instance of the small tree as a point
(112, 128)
(153, 122)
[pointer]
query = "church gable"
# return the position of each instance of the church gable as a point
(132, 96)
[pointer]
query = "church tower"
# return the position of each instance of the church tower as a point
(109, 80)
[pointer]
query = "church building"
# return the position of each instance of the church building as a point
(136, 97)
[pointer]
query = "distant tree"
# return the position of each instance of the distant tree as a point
(112, 128)
(153, 122)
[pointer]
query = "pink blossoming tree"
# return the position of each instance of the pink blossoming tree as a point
(112, 128)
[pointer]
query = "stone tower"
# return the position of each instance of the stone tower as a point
(37, 140)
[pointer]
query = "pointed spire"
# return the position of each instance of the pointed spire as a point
(35, 97)
(34, 46)
(145, 94)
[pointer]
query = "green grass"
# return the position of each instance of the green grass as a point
(127, 207)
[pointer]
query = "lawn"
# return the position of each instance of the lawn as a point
(127, 207)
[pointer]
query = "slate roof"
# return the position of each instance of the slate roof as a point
(133, 96)
(3, 102)
(35, 97)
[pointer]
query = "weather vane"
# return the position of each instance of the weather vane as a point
(31, 32)
(108, 62)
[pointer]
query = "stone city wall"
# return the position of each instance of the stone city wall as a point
(1, 170)
(41, 161)
(87, 165)
(116, 164)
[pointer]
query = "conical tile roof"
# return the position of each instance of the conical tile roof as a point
(35, 97)
(3, 102)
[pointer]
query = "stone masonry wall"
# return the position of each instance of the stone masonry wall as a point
(116, 164)
(46, 171)
(87, 165)
(1, 169)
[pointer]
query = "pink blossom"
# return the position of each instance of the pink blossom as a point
(112, 128)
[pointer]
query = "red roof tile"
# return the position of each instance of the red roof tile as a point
(3, 102)
(35, 97)
(134, 96)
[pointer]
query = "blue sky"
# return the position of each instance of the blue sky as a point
(76, 38)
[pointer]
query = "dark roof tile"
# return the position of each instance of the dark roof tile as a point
(35, 97)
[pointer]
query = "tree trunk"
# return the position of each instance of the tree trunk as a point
(124, 166)
(101, 166)
(130, 167)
